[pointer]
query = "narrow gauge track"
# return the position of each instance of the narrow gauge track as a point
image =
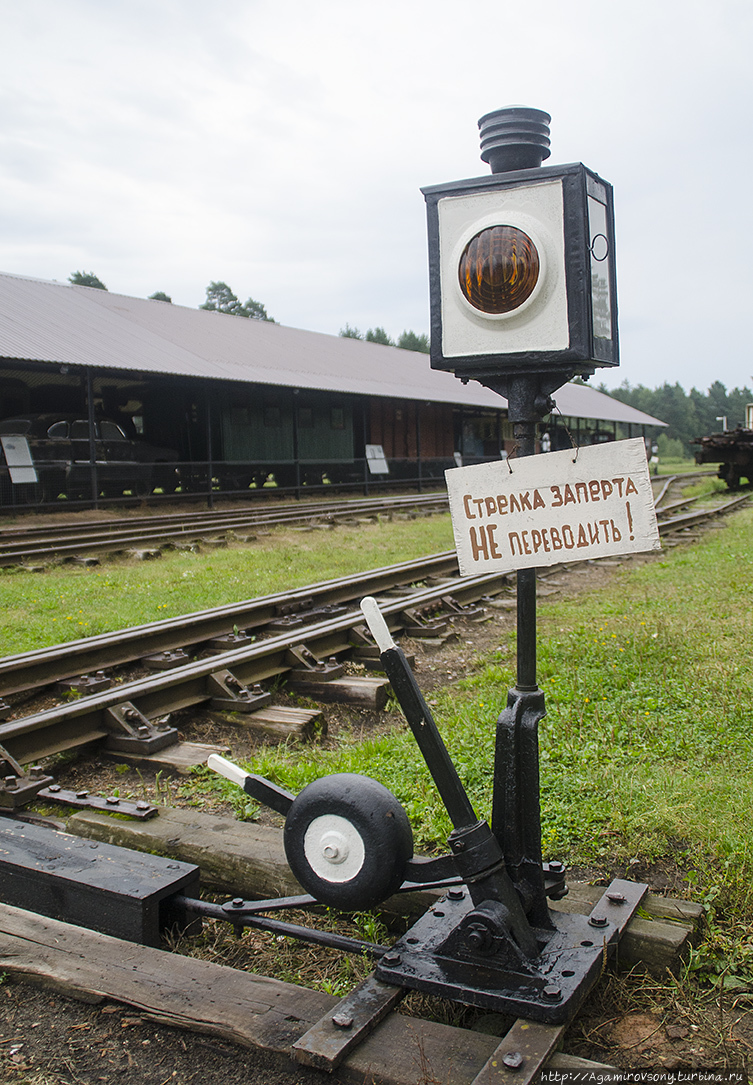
(28, 544)
(60, 541)
(666, 483)
(84, 720)
(289, 611)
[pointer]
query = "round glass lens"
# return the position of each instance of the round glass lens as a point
(499, 269)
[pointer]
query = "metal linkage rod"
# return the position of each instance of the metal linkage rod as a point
(240, 918)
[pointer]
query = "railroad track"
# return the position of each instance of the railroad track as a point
(280, 612)
(291, 611)
(664, 485)
(26, 545)
(252, 641)
(201, 680)
(29, 545)
(229, 677)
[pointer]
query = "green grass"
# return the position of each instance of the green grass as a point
(683, 466)
(67, 603)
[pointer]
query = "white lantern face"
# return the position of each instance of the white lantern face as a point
(502, 270)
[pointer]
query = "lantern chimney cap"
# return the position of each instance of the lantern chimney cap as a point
(515, 137)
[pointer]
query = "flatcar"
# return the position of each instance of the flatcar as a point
(732, 450)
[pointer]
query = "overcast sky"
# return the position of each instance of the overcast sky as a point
(280, 147)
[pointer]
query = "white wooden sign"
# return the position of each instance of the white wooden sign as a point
(592, 502)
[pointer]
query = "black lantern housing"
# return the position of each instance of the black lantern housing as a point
(522, 263)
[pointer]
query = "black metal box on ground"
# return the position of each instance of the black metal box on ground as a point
(106, 888)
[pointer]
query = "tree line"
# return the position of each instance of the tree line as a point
(220, 298)
(688, 414)
(407, 341)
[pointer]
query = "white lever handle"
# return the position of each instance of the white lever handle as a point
(377, 624)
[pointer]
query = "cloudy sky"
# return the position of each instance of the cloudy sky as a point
(280, 146)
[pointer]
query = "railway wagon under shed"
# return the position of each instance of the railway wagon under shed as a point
(107, 397)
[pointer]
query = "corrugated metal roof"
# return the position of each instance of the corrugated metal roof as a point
(79, 325)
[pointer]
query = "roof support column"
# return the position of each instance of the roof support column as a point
(92, 437)
(210, 464)
(296, 446)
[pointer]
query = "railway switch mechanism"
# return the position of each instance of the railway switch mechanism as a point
(523, 298)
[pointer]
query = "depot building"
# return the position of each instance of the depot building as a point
(235, 405)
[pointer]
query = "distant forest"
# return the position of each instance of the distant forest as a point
(687, 414)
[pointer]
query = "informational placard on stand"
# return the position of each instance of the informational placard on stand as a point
(376, 460)
(18, 457)
(591, 502)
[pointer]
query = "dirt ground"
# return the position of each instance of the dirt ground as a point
(633, 1021)
(46, 1039)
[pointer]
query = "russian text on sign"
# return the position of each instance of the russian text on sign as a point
(590, 502)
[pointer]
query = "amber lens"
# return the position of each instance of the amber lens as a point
(499, 269)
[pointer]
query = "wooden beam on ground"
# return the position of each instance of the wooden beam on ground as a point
(254, 1011)
(244, 855)
(523, 1052)
(179, 758)
(364, 691)
(277, 723)
(658, 939)
(239, 1006)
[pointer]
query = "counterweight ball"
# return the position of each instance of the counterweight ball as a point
(348, 840)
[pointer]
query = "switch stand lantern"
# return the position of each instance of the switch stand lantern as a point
(523, 298)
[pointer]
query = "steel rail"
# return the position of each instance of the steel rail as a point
(28, 670)
(664, 488)
(82, 721)
(668, 481)
(41, 543)
(690, 519)
(665, 510)
(28, 544)
(201, 516)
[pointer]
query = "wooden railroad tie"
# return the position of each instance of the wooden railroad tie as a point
(248, 859)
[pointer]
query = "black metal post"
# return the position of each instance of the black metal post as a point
(516, 814)
(525, 435)
(296, 446)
